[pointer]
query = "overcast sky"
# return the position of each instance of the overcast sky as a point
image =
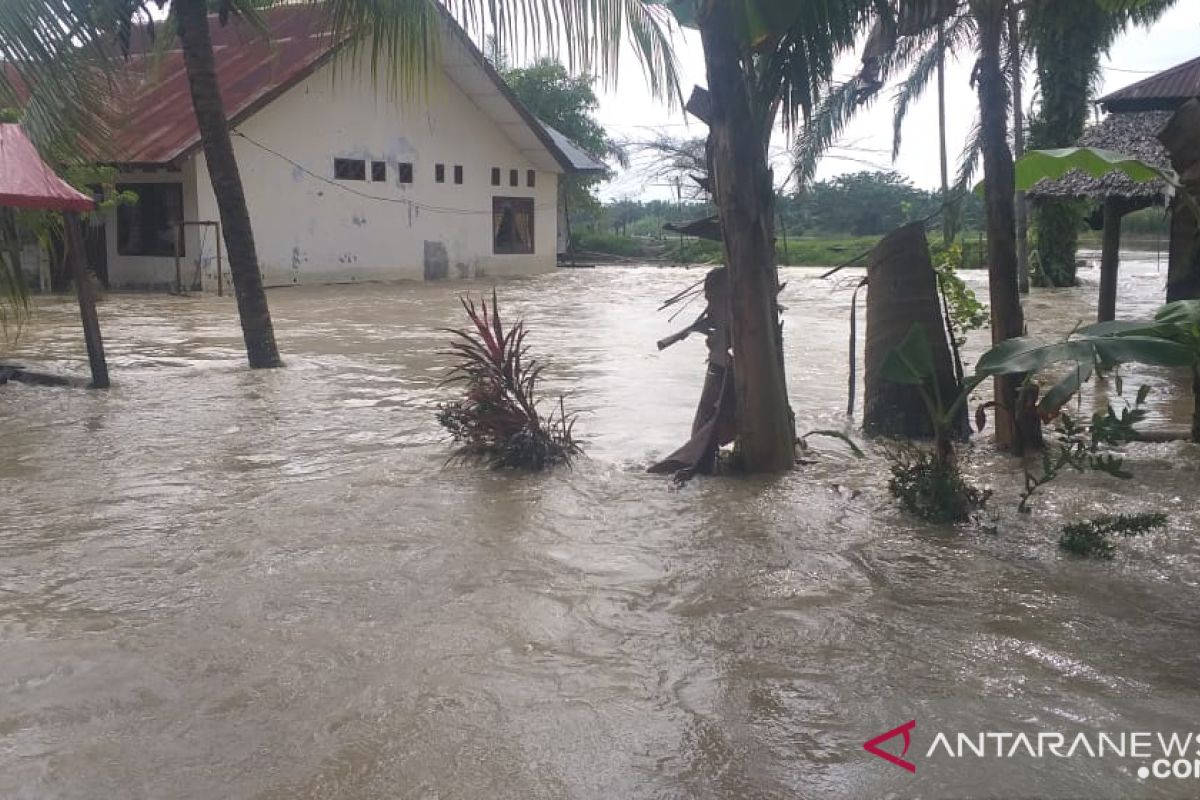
(628, 110)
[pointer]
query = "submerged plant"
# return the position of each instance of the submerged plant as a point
(1092, 539)
(497, 422)
(1081, 448)
(932, 488)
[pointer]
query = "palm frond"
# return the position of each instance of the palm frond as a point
(922, 62)
(836, 111)
(911, 89)
(400, 39)
(54, 68)
(14, 297)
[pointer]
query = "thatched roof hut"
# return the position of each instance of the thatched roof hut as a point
(1132, 134)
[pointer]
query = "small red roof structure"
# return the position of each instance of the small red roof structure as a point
(28, 182)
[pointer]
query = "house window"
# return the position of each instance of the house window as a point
(512, 225)
(530, 178)
(439, 173)
(379, 171)
(513, 177)
(150, 227)
(458, 174)
(495, 176)
(349, 169)
(404, 172)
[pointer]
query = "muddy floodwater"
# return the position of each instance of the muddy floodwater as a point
(223, 584)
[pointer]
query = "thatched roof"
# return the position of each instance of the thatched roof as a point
(1128, 134)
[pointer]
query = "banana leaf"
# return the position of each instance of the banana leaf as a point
(1026, 354)
(1051, 164)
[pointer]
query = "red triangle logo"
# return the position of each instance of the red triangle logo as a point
(872, 746)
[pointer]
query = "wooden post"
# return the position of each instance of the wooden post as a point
(220, 277)
(178, 263)
(87, 301)
(1110, 261)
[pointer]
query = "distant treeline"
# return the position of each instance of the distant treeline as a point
(828, 223)
(859, 204)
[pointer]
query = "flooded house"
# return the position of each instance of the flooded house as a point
(347, 179)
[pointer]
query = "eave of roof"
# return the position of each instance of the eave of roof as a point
(1164, 91)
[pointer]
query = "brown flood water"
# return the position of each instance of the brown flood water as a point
(223, 584)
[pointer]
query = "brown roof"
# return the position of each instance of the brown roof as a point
(1128, 134)
(1164, 91)
(159, 124)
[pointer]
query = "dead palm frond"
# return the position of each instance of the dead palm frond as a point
(497, 422)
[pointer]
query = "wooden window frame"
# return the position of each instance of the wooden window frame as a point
(519, 205)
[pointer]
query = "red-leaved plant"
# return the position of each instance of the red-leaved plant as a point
(497, 421)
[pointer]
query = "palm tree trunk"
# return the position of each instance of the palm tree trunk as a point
(257, 330)
(947, 221)
(1014, 59)
(999, 202)
(745, 201)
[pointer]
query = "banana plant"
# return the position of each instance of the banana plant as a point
(1171, 339)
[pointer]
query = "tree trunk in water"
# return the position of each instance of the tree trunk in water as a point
(1183, 262)
(257, 330)
(999, 201)
(86, 292)
(1022, 208)
(745, 201)
(902, 291)
(1110, 261)
(947, 221)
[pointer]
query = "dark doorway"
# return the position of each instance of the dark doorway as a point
(95, 242)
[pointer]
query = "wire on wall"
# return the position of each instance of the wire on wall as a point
(368, 196)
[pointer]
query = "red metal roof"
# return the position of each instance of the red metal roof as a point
(27, 182)
(1164, 91)
(159, 122)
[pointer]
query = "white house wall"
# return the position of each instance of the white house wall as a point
(310, 228)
